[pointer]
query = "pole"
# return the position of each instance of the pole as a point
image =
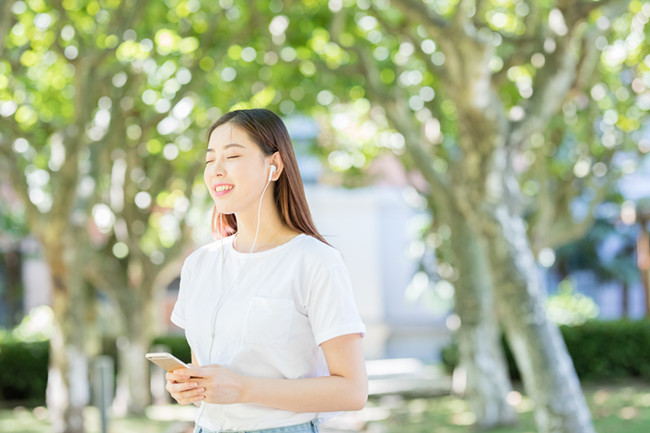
(103, 373)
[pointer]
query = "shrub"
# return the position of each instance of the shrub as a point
(599, 349)
(603, 350)
(24, 365)
(23, 370)
(177, 346)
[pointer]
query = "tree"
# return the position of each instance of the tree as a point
(99, 143)
(510, 74)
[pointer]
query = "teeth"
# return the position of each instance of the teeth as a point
(223, 188)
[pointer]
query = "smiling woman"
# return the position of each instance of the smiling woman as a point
(267, 308)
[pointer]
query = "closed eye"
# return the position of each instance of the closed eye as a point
(233, 157)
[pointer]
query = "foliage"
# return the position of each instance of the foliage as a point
(176, 345)
(25, 349)
(23, 370)
(568, 307)
(35, 327)
(599, 349)
(12, 222)
(610, 349)
(387, 86)
(607, 250)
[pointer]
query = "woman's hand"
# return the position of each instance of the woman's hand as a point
(183, 387)
(220, 384)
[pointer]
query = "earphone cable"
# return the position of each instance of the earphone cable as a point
(223, 298)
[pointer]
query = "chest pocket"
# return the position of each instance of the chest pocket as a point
(269, 321)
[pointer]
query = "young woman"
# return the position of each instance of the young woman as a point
(267, 308)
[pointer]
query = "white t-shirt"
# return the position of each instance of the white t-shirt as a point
(274, 310)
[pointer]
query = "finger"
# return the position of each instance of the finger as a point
(188, 397)
(178, 379)
(171, 377)
(197, 399)
(176, 388)
(190, 393)
(180, 374)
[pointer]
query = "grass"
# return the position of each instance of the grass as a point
(621, 407)
(23, 420)
(617, 407)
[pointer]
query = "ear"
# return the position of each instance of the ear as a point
(279, 165)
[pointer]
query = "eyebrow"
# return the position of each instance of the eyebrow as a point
(227, 146)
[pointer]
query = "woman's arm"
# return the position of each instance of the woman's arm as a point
(345, 389)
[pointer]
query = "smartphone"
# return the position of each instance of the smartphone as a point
(166, 360)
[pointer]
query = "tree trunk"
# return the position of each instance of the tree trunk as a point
(643, 260)
(133, 387)
(546, 368)
(479, 337)
(13, 292)
(67, 387)
(625, 295)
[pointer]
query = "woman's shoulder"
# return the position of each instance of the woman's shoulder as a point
(207, 251)
(315, 251)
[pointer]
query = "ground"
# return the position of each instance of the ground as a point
(617, 407)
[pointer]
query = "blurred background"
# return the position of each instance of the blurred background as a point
(482, 166)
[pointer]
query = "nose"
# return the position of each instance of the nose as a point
(216, 168)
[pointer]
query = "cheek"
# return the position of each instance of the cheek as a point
(206, 178)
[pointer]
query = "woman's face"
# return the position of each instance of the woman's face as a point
(236, 169)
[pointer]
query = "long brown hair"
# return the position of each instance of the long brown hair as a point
(268, 131)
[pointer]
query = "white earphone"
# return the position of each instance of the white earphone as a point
(273, 169)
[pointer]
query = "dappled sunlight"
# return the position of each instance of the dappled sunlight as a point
(615, 408)
(628, 412)
(600, 397)
(620, 406)
(22, 420)
(463, 418)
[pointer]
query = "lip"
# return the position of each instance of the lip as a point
(223, 192)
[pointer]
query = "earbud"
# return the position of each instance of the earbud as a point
(273, 169)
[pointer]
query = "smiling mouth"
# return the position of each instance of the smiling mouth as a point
(222, 188)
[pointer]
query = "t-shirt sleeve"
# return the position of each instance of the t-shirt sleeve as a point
(178, 313)
(331, 308)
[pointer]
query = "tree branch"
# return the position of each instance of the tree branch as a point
(105, 273)
(5, 22)
(208, 39)
(525, 49)
(465, 10)
(400, 117)
(19, 185)
(550, 87)
(408, 32)
(565, 229)
(67, 178)
(553, 81)
(417, 11)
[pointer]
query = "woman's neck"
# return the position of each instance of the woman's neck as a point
(272, 231)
